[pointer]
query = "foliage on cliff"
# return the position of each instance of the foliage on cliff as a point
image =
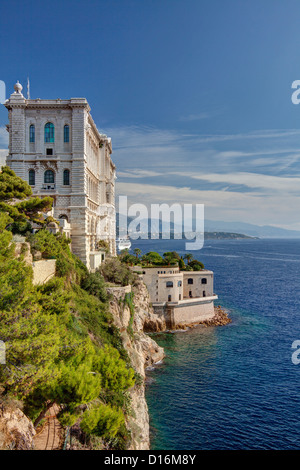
(116, 272)
(61, 343)
(15, 200)
(169, 258)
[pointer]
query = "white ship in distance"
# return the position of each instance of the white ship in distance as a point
(123, 243)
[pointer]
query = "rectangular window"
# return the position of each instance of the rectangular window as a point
(66, 177)
(49, 132)
(32, 134)
(66, 134)
(31, 177)
(49, 151)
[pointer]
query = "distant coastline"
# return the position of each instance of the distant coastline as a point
(226, 235)
(207, 236)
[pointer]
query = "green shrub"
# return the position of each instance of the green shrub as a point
(94, 284)
(103, 421)
(116, 272)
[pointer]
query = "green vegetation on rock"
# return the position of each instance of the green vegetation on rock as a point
(61, 343)
(153, 259)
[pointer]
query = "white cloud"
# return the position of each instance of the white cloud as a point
(251, 180)
(3, 155)
(252, 176)
(3, 137)
(137, 173)
(254, 207)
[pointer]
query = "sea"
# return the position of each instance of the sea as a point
(233, 387)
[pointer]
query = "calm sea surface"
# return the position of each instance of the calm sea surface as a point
(235, 386)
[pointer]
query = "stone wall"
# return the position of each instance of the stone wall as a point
(186, 314)
(43, 270)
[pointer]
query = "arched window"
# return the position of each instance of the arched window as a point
(169, 298)
(66, 179)
(64, 216)
(31, 177)
(169, 284)
(66, 133)
(49, 176)
(31, 133)
(49, 132)
(190, 281)
(203, 280)
(179, 284)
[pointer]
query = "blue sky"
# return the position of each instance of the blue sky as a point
(195, 94)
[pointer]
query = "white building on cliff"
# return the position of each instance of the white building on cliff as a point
(56, 147)
(182, 297)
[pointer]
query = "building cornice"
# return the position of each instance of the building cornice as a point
(46, 104)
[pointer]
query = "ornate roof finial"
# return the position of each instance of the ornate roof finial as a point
(18, 87)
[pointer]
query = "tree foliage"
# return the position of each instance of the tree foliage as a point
(113, 270)
(15, 200)
(94, 284)
(11, 186)
(102, 420)
(169, 258)
(61, 343)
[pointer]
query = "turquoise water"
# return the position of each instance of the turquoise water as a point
(233, 387)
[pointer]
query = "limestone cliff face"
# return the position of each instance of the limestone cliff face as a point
(16, 430)
(143, 352)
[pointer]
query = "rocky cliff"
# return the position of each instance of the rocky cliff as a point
(16, 430)
(142, 350)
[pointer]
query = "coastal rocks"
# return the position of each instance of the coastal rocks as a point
(16, 430)
(221, 318)
(142, 350)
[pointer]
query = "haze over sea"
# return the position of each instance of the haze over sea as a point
(234, 386)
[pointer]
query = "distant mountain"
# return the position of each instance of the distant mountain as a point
(264, 231)
(156, 227)
(231, 229)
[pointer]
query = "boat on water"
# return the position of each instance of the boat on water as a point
(123, 244)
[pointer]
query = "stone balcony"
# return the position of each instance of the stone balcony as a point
(187, 301)
(48, 186)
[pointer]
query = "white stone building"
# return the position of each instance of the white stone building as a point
(183, 297)
(56, 147)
